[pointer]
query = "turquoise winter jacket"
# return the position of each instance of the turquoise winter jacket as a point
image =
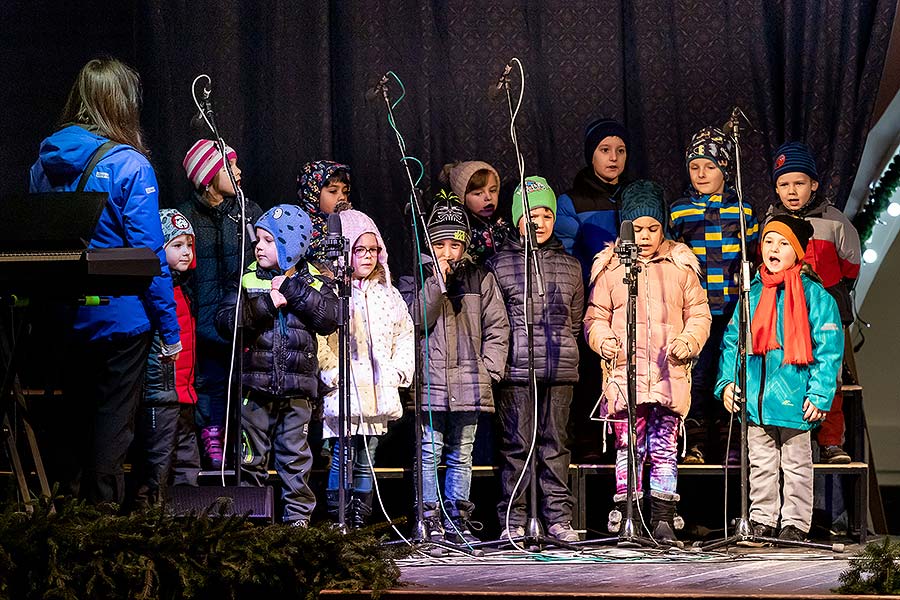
(775, 391)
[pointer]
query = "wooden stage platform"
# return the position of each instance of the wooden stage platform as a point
(619, 573)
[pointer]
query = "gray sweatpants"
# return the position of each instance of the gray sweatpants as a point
(780, 451)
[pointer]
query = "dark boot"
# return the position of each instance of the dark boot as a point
(331, 503)
(431, 516)
(662, 520)
(359, 509)
(459, 527)
(617, 517)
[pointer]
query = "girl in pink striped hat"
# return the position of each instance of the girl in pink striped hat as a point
(215, 213)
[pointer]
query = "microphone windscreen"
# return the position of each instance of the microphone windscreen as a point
(334, 225)
(626, 232)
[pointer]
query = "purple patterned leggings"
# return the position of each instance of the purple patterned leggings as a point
(657, 443)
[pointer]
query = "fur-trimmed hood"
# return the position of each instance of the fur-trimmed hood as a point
(677, 253)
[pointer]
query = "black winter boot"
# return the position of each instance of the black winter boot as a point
(359, 509)
(662, 519)
(459, 527)
(431, 515)
(616, 517)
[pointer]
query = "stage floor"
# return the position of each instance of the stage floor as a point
(618, 573)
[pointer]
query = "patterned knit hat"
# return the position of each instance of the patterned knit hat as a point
(795, 230)
(713, 144)
(354, 224)
(174, 224)
(310, 180)
(203, 161)
(597, 131)
(292, 230)
(643, 198)
(794, 157)
(458, 176)
(539, 194)
(448, 220)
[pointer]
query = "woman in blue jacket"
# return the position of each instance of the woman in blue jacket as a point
(108, 345)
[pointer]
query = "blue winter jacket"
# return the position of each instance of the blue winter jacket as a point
(775, 391)
(131, 219)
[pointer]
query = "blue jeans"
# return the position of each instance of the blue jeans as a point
(455, 433)
(362, 476)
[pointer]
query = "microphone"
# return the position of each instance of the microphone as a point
(626, 249)
(378, 89)
(502, 82)
(205, 106)
(334, 240)
(626, 232)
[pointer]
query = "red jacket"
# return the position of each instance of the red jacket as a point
(184, 366)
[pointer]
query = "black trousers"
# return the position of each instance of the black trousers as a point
(165, 451)
(277, 428)
(94, 425)
(515, 411)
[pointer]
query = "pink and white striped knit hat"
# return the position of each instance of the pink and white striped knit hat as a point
(203, 161)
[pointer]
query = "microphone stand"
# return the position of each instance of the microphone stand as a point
(534, 538)
(743, 533)
(337, 249)
(417, 224)
(206, 111)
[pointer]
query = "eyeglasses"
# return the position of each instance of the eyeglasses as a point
(361, 251)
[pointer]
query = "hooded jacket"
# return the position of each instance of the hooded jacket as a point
(279, 353)
(775, 391)
(671, 305)
(468, 337)
(557, 320)
(131, 219)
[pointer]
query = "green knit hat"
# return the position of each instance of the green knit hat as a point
(539, 195)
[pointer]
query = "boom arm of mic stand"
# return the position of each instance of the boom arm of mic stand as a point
(415, 205)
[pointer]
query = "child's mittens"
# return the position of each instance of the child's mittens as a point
(296, 290)
(731, 398)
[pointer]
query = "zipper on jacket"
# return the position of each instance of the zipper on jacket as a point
(762, 387)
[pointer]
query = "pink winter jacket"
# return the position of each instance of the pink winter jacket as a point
(671, 305)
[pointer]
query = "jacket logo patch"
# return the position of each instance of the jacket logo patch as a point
(149, 190)
(101, 175)
(830, 327)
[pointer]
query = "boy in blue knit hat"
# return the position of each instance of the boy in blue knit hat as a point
(284, 305)
(708, 221)
(833, 252)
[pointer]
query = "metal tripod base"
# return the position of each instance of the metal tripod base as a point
(743, 536)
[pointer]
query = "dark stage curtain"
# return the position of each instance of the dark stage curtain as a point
(290, 78)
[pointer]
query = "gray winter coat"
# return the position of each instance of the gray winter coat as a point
(468, 338)
(557, 320)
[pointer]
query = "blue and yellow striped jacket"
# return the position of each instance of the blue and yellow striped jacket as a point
(709, 225)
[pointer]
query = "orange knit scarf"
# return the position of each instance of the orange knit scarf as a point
(764, 326)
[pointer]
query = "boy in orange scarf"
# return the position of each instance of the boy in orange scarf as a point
(795, 353)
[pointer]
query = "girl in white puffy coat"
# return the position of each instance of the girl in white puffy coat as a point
(382, 360)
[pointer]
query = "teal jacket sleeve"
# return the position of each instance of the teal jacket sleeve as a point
(827, 346)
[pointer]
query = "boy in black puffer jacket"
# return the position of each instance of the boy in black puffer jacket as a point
(284, 306)
(557, 323)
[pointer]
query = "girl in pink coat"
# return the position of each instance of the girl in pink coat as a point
(673, 322)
